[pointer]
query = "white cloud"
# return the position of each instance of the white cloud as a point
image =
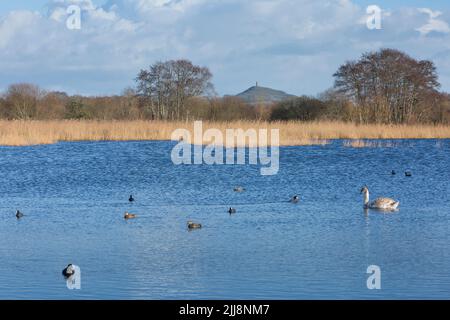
(434, 24)
(278, 42)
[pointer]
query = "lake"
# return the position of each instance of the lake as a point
(74, 196)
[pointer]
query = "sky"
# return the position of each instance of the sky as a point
(290, 45)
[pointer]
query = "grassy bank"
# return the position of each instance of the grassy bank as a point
(22, 133)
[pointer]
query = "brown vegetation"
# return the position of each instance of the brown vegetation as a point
(386, 87)
(383, 95)
(31, 132)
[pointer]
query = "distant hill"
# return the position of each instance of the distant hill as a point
(257, 94)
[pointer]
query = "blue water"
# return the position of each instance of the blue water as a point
(74, 195)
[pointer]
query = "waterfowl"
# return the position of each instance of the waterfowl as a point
(19, 214)
(239, 189)
(191, 225)
(129, 216)
(231, 210)
(131, 199)
(408, 173)
(387, 204)
(295, 199)
(68, 271)
(393, 173)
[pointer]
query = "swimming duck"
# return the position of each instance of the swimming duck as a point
(68, 271)
(19, 214)
(191, 225)
(239, 189)
(231, 210)
(295, 199)
(393, 173)
(408, 174)
(387, 204)
(129, 216)
(131, 199)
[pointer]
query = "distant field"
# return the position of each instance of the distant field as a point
(23, 133)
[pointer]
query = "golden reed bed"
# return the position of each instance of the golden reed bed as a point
(23, 133)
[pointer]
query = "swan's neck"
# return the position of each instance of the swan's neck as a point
(366, 199)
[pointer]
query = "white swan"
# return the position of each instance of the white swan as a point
(387, 204)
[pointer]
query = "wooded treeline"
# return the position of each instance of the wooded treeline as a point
(387, 86)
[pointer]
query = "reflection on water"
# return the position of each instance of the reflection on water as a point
(74, 195)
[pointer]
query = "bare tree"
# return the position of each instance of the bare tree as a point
(387, 86)
(51, 105)
(21, 100)
(166, 86)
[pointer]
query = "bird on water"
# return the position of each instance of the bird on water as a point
(386, 204)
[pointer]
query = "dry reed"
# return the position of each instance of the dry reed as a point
(23, 133)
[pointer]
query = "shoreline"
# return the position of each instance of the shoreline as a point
(42, 132)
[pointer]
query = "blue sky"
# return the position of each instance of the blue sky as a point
(292, 45)
(9, 5)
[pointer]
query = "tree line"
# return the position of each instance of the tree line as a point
(386, 86)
